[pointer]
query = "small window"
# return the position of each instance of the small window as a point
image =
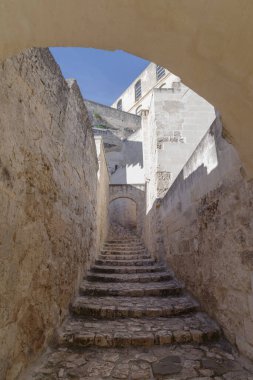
(119, 105)
(160, 72)
(137, 89)
(138, 110)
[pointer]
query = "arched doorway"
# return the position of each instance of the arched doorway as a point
(123, 211)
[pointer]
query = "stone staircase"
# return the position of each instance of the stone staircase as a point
(128, 299)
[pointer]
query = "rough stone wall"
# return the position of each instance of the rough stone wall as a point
(123, 124)
(48, 198)
(102, 194)
(207, 220)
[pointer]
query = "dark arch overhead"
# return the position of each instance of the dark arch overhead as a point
(206, 43)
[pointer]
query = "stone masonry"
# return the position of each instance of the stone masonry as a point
(48, 185)
(134, 320)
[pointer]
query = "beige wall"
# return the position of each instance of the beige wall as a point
(208, 235)
(102, 194)
(206, 43)
(48, 203)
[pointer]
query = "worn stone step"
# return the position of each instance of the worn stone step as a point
(123, 248)
(124, 257)
(196, 327)
(124, 241)
(143, 262)
(141, 277)
(133, 307)
(156, 289)
(123, 251)
(127, 269)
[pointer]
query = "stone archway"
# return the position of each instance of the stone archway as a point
(123, 211)
(137, 194)
(207, 43)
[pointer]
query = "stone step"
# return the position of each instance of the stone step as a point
(126, 269)
(124, 241)
(124, 257)
(141, 277)
(124, 246)
(195, 327)
(133, 307)
(156, 289)
(124, 251)
(143, 262)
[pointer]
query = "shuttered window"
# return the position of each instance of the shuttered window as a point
(160, 72)
(137, 89)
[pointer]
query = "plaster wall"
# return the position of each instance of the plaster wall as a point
(48, 187)
(181, 121)
(122, 137)
(102, 194)
(150, 166)
(207, 231)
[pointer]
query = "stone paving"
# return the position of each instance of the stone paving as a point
(133, 320)
(214, 361)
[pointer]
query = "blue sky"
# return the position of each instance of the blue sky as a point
(101, 75)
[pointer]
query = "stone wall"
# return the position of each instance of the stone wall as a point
(102, 194)
(207, 224)
(48, 203)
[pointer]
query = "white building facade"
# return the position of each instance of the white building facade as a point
(138, 95)
(150, 132)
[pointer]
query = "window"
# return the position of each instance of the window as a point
(137, 89)
(138, 110)
(119, 105)
(160, 72)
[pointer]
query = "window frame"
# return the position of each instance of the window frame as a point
(137, 90)
(160, 72)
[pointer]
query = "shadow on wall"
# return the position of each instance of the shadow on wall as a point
(206, 231)
(125, 165)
